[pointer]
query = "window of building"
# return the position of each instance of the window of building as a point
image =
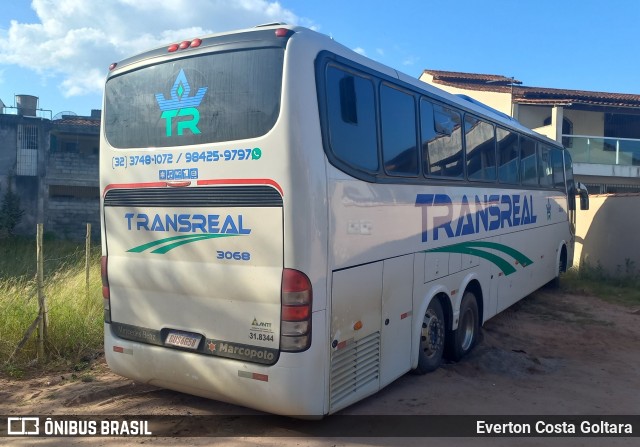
(480, 144)
(397, 110)
(508, 155)
(352, 119)
(27, 156)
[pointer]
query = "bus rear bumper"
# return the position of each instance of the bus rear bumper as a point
(293, 386)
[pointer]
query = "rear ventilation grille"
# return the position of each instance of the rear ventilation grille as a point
(260, 196)
(354, 367)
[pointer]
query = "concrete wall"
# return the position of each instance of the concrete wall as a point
(72, 169)
(29, 188)
(66, 212)
(608, 234)
(67, 218)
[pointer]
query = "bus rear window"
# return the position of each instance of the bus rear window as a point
(206, 99)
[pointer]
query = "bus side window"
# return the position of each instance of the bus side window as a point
(528, 161)
(446, 158)
(557, 168)
(508, 154)
(398, 119)
(352, 119)
(480, 145)
(545, 172)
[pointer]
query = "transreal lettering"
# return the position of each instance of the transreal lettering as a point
(442, 218)
(187, 223)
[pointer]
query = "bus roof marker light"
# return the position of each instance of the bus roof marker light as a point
(113, 66)
(184, 44)
(173, 48)
(195, 43)
(282, 32)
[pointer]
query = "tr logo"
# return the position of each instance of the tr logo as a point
(181, 105)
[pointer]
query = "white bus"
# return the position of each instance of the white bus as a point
(290, 226)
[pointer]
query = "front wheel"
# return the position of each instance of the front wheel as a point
(432, 337)
(463, 339)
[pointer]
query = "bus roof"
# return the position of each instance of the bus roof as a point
(269, 34)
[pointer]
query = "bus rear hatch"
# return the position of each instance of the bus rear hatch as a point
(197, 269)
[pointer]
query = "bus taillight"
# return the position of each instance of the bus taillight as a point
(106, 293)
(295, 327)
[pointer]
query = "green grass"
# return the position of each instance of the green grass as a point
(621, 288)
(75, 320)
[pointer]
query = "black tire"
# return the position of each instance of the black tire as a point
(461, 341)
(432, 338)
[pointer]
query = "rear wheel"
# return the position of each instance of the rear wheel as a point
(463, 339)
(432, 337)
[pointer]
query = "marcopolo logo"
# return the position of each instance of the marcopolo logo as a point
(181, 105)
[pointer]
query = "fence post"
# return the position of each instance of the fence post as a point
(42, 303)
(87, 258)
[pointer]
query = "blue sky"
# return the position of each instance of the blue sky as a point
(59, 50)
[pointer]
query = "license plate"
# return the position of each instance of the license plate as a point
(183, 340)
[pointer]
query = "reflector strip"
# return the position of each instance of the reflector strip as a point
(122, 350)
(254, 376)
(406, 314)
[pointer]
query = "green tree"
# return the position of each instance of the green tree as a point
(10, 211)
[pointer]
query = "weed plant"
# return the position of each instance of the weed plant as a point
(75, 318)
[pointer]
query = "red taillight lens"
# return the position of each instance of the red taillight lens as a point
(282, 32)
(295, 313)
(295, 325)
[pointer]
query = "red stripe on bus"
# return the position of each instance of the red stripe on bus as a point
(262, 377)
(248, 181)
(134, 185)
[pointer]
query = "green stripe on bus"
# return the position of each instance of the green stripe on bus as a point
(515, 254)
(503, 265)
(181, 240)
(473, 248)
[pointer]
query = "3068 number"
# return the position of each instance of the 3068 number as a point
(234, 255)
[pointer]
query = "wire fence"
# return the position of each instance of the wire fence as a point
(41, 322)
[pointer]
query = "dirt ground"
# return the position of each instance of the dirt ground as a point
(552, 353)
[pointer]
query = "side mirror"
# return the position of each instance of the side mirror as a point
(582, 191)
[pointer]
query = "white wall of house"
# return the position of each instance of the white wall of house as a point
(497, 100)
(607, 233)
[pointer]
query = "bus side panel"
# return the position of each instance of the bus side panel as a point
(539, 247)
(356, 298)
(397, 296)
